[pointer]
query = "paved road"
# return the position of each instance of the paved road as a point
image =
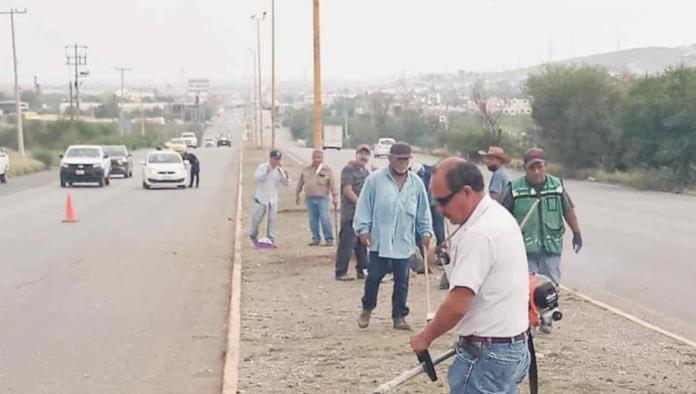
(639, 254)
(133, 298)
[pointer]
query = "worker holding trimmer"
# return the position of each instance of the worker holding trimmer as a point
(489, 286)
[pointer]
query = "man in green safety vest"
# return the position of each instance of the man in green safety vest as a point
(543, 233)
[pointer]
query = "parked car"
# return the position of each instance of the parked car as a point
(85, 163)
(382, 147)
(164, 168)
(4, 164)
(121, 160)
(178, 145)
(224, 140)
(209, 143)
(190, 139)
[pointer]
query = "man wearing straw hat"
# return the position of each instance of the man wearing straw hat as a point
(495, 160)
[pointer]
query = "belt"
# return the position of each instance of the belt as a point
(475, 338)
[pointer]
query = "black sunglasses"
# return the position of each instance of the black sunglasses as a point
(443, 201)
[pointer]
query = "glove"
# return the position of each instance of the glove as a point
(577, 242)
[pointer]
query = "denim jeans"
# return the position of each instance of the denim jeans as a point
(376, 269)
(257, 218)
(318, 208)
(546, 264)
(500, 368)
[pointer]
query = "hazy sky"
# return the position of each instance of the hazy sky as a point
(163, 40)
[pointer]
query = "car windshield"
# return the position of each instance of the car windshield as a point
(187, 135)
(164, 158)
(386, 142)
(176, 141)
(82, 152)
(114, 151)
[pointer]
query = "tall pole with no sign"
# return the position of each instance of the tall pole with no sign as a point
(18, 104)
(122, 70)
(258, 19)
(273, 77)
(255, 93)
(318, 142)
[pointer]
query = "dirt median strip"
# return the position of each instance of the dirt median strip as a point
(299, 333)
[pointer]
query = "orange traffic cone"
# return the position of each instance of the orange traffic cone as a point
(70, 216)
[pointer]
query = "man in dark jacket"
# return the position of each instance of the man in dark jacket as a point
(195, 168)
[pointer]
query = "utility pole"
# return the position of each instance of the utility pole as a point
(18, 104)
(258, 20)
(318, 137)
(142, 114)
(122, 70)
(79, 58)
(256, 103)
(273, 77)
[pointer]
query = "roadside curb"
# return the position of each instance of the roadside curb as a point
(230, 376)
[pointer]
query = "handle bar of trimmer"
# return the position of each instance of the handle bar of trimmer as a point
(408, 375)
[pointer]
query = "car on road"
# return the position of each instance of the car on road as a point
(4, 164)
(209, 143)
(224, 140)
(121, 160)
(85, 164)
(164, 168)
(382, 147)
(178, 145)
(190, 139)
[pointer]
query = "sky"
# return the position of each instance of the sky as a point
(166, 41)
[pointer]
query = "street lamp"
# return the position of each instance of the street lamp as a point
(258, 19)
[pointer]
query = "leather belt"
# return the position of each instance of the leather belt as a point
(475, 339)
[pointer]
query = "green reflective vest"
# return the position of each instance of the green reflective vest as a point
(545, 227)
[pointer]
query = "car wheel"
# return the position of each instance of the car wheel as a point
(145, 186)
(63, 183)
(3, 178)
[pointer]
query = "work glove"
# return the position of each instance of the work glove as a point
(577, 242)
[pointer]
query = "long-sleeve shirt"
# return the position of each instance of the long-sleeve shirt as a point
(317, 183)
(267, 184)
(391, 216)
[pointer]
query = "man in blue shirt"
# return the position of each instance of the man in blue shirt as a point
(392, 208)
(496, 159)
(268, 177)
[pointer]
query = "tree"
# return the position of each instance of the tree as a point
(489, 114)
(657, 122)
(574, 108)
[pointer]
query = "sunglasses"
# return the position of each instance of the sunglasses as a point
(401, 159)
(443, 201)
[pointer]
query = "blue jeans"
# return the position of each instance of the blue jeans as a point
(500, 368)
(257, 218)
(376, 269)
(545, 263)
(318, 208)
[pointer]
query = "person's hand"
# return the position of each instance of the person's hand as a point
(577, 241)
(419, 342)
(365, 240)
(297, 200)
(426, 242)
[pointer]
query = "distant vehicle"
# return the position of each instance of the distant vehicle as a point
(121, 160)
(190, 139)
(224, 140)
(333, 137)
(382, 146)
(85, 163)
(164, 169)
(209, 143)
(4, 164)
(178, 145)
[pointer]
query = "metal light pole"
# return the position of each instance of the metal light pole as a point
(258, 19)
(273, 77)
(318, 138)
(18, 104)
(256, 102)
(122, 70)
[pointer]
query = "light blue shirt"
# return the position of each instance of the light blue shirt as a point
(393, 216)
(499, 182)
(267, 184)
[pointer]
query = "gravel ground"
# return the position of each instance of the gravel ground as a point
(299, 333)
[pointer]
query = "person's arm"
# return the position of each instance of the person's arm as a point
(572, 220)
(362, 221)
(261, 172)
(350, 194)
(347, 179)
(298, 190)
(496, 188)
(450, 312)
(332, 188)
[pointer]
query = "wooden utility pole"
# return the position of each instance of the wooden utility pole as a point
(258, 19)
(18, 104)
(318, 137)
(273, 79)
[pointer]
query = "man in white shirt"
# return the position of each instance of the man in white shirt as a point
(489, 286)
(268, 177)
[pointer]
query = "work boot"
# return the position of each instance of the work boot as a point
(400, 324)
(329, 243)
(313, 243)
(364, 319)
(361, 274)
(344, 278)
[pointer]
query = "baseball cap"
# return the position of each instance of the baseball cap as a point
(364, 147)
(400, 149)
(275, 154)
(534, 155)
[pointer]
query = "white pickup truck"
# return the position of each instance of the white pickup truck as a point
(4, 164)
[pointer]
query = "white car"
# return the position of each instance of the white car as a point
(4, 164)
(190, 139)
(382, 146)
(85, 163)
(209, 143)
(164, 168)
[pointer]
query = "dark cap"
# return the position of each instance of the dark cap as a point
(533, 155)
(275, 154)
(400, 149)
(364, 147)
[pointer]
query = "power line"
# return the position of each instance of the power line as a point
(18, 104)
(122, 70)
(77, 58)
